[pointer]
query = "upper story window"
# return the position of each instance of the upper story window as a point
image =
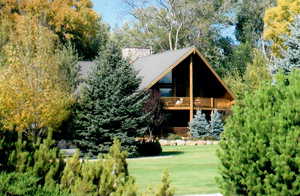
(167, 79)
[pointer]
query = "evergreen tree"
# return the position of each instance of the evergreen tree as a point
(110, 106)
(260, 148)
(216, 124)
(290, 52)
(199, 126)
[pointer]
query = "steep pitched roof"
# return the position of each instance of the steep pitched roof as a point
(151, 67)
(154, 67)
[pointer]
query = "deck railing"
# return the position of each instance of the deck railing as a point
(199, 103)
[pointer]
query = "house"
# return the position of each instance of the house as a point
(186, 83)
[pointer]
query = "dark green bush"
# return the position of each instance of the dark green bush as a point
(260, 147)
(149, 148)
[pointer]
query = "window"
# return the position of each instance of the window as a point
(167, 79)
(166, 92)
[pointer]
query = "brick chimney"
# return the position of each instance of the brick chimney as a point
(132, 54)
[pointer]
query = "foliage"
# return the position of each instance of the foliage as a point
(39, 158)
(170, 25)
(277, 21)
(7, 145)
(290, 52)
(237, 59)
(73, 21)
(164, 188)
(150, 147)
(199, 126)
(216, 124)
(154, 106)
(25, 184)
(248, 18)
(17, 184)
(69, 66)
(259, 150)
(32, 92)
(105, 177)
(257, 72)
(110, 106)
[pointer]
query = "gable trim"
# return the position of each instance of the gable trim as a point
(170, 68)
(191, 51)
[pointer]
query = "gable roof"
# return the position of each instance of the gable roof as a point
(154, 67)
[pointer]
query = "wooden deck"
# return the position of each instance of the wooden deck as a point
(200, 103)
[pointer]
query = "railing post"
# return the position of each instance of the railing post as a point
(191, 89)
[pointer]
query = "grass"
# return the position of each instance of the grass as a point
(193, 169)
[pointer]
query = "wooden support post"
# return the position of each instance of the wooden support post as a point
(212, 102)
(191, 90)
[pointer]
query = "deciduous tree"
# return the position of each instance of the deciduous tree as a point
(277, 20)
(33, 96)
(71, 20)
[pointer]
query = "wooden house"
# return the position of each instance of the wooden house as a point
(186, 83)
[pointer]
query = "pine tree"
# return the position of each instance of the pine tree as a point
(260, 149)
(216, 126)
(110, 106)
(290, 52)
(199, 126)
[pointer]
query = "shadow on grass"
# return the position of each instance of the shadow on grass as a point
(171, 153)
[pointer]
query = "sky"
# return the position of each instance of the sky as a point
(113, 12)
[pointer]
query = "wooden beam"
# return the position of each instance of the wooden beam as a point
(191, 90)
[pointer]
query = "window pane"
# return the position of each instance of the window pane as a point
(167, 79)
(165, 92)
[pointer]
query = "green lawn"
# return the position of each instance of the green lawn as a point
(193, 169)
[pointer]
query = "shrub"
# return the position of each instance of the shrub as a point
(164, 189)
(199, 126)
(101, 177)
(149, 147)
(260, 147)
(40, 158)
(15, 183)
(216, 126)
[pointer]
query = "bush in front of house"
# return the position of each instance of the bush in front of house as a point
(260, 147)
(149, 147)
(201, 128)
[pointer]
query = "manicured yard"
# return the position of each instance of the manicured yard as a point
(193, 169)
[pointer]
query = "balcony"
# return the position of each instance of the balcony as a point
(200, 103)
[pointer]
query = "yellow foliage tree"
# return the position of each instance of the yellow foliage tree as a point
(33, 95)
(71, 20)
(277, 21)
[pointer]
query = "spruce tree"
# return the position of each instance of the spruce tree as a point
(199, 126)
(260, 148)
(290, 53)
(216, 125)
(110, 106)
